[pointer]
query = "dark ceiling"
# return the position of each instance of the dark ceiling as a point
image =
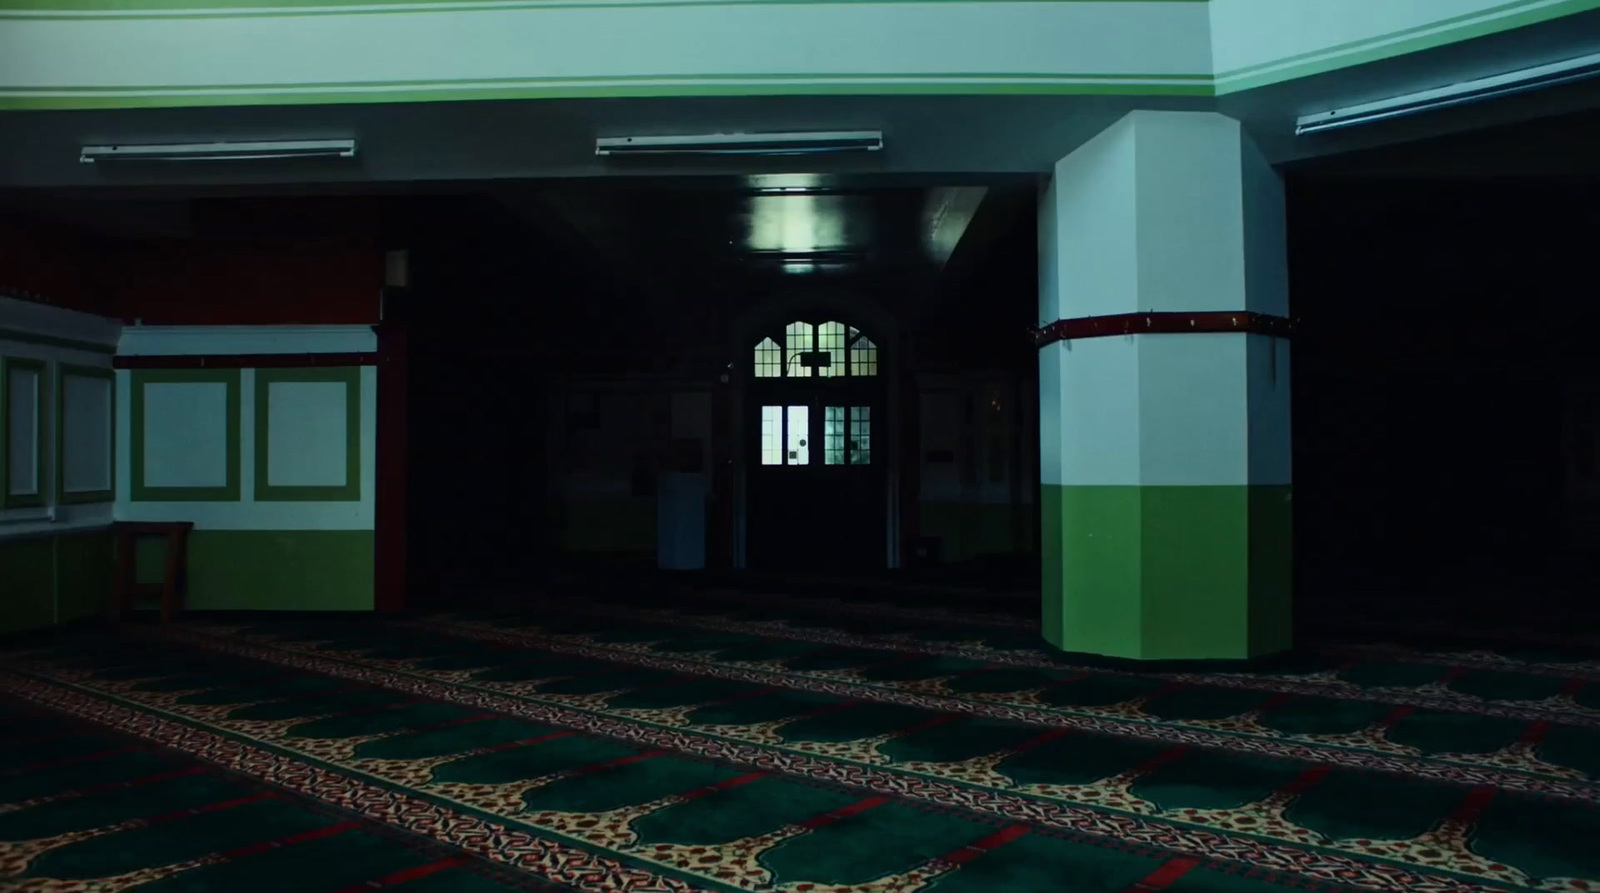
(688, 235)
(919, 241)
(701, 252)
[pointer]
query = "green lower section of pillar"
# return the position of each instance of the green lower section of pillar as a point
(55, 578)
(271, 570)
(1167, 573)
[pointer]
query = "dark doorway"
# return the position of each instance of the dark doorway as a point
(818, 473)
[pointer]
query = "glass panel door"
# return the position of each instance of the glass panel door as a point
(798, 436)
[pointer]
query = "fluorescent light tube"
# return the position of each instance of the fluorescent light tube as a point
(742, 143)
(241, 151)
(1462, 93)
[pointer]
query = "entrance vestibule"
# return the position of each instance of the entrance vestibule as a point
(817, 487)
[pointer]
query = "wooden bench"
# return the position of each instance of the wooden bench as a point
(127, 585)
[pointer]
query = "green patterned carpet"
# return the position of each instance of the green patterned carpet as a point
(778, 743)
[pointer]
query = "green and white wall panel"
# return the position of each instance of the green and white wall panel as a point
(1165, 458)
(24, 392)
(131, 53)
(274, 466)
(183, 436)
(85, 431)
(56, 452)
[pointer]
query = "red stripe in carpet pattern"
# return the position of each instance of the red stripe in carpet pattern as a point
(843, 812)
(612, 764)
(402, 876)
(727, 784)
(302, 837)
(1396, 715)
(930, 723)
(1165, 876)
(118, 785)
(1037, 740)
(1471, 806)
(209, 807)
(1535, 733)
(1305, 780)
(1274, 702)
(520, 742)
(974, 850)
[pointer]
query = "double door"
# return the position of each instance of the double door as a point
(817, 497)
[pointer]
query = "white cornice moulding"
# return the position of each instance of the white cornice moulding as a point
(45, 321)
(167, 341)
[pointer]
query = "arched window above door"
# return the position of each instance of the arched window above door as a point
(769, 359)
(800, 338)
(833, 349)
(863, 354)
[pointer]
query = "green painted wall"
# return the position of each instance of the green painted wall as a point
(609, 525)
(27, 584)
(85, 570)
(271, 570)
(1167, 572)
(56, 578)
(968, 530)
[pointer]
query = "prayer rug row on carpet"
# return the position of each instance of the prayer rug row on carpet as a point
(767, 745)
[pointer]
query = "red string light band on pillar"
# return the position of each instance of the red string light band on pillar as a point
(1164, 324)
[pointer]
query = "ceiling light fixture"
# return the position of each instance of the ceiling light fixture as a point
(236, 151)
(830, 142)
(1554, 74)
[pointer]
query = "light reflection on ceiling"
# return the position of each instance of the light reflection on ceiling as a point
(791, 225)
(946, 214)
(804, 223)
(781, 183)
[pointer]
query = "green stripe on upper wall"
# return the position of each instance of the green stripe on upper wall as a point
(594, 88)
(118, 8)
(1491, 20)
(1400, 43)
